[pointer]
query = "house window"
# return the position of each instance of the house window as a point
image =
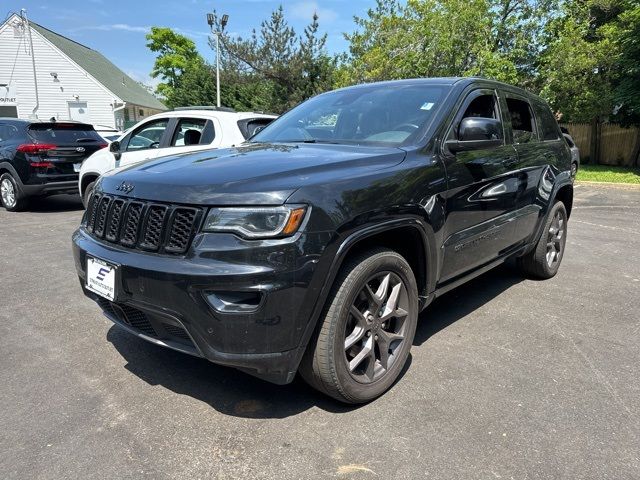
(141, 112)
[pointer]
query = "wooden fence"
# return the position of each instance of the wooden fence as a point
(606, 143)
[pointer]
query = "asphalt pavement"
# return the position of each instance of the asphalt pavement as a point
(508, 378)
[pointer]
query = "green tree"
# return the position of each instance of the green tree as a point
(625, 34)
(490, 38)
(175, 53)
(293, 68)
(576, 61)
(196, 85)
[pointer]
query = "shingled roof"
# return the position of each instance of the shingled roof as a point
(105, 72)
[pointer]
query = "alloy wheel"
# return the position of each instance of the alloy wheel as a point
(555, 238)
(375, 330)
(8, 193)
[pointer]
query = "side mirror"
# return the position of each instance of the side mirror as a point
(475, 133)
(114, 148)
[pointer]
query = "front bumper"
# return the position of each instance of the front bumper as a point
(234, 302)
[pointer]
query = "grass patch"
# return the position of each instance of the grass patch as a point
(607, 173)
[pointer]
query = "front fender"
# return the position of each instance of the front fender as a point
(340, 250)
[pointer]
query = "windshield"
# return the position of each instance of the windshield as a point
(375, 115)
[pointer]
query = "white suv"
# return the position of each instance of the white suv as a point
(181, 130)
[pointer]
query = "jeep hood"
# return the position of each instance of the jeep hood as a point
(248, 174)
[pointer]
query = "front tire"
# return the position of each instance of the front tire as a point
(366, 330)
(544, 260)
(87, 194)
(10, 194)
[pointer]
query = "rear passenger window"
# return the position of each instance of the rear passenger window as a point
(548, 125)
(522, 121)
(189, 132)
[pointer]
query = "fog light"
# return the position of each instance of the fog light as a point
(234, 302)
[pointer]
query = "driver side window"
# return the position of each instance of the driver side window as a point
(483, 106)
(147, 136)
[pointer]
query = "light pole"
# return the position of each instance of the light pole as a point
(216, 33)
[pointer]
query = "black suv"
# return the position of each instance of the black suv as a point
(314, 246)
(42, 158)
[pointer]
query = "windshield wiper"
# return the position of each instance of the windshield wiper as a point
(312, 140)
(86, 139)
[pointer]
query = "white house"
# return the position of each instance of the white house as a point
(44, 75)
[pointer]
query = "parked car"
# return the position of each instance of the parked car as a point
(179, 131)
(314, 246)
(108, 133)
(42, 158)
(575, 154)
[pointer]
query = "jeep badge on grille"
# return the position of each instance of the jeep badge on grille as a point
(124, 187)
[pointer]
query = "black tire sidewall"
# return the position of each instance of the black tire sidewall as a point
(542, 247)
(348, 386)
(87, 193)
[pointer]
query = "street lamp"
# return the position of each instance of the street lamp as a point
(223, 23)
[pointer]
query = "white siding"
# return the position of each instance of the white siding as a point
(72, 83)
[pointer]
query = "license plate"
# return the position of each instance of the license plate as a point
(101, 278)
(76, 167)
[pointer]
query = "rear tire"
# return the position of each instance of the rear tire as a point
(87, 193)
(544, 260)
(10, 195)
(366, 330)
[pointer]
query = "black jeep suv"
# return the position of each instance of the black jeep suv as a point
(314, 246)
(42, 158)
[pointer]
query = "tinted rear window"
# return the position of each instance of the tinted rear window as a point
(548, 124)
(64, 133)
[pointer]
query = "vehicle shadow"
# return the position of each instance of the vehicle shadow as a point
(232, 392)
(226, 389)
(463, 300)
(55, 203)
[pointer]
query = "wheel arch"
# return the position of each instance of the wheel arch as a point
(369, 237)
(87, 178)
(408, 239)
(565, 195)
(6, 167)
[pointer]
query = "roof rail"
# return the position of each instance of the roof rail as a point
(206, 107)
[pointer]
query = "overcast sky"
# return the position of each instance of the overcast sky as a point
(116, 28)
